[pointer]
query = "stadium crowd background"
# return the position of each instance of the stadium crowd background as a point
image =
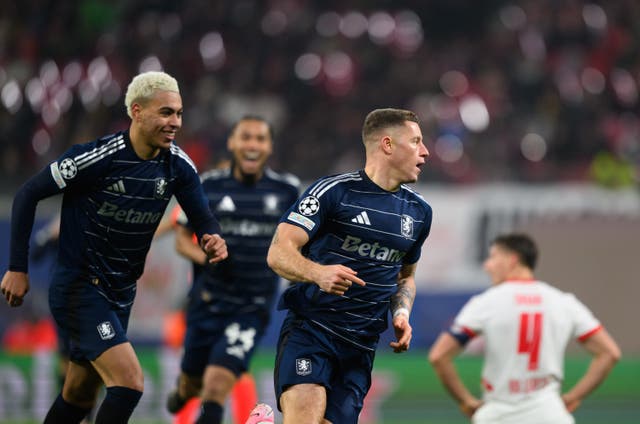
(526, 90)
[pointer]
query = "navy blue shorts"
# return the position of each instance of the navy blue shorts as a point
(227, 340)
(309, 355)
(88, 321)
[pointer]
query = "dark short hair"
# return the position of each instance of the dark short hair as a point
(384, 118)
(520, 244)
(250, 117)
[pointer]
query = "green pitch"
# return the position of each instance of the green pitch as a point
(407, 391)
(418, 397)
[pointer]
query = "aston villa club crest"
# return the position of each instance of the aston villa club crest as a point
(161, 187)
(406, 226)
(271, 205)
(106, 331)
(303, 366)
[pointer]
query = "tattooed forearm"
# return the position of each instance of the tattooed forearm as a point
(405, 295)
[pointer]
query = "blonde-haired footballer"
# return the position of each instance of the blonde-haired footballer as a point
(115, 190)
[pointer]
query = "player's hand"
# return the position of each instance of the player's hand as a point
(215, 247)
(470, 406)
(403, 330)
(336, 279)
(14, 287)
(570, 404)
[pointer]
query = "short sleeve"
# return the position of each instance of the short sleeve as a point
(584, 322)
(310, 210)
(472, 317)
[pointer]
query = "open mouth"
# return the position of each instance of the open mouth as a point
(251, 156)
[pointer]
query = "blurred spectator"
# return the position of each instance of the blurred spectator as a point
(24, 337)
(516, 90)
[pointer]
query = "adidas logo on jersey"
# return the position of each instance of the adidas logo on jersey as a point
(361, 218)
(226, 204)
(117, 187)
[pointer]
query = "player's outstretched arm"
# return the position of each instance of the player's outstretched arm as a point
(441, 356)
(14, 287)
(605, 353)
(286, 259)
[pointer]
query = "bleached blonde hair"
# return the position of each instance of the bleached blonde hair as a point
(143, 86)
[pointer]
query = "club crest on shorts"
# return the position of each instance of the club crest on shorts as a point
(303, 366)
(106, 331)
(161, 187)
(406, 226)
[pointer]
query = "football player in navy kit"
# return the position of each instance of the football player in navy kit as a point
(116, 189)
(350, 245)
(229, 305)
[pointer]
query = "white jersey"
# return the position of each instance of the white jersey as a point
(526, 327)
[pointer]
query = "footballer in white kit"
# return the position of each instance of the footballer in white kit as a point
(526, 325)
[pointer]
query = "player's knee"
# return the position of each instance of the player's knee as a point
(217, 383)
(136, 382)
(132, 379)
(84, 395)
(304, 400)
(214, 391)
(189, 386)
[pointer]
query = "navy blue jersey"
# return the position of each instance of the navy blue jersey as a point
(112, 204)
(248, 215)
(352, 221)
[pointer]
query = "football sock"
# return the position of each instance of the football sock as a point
(211, 413)
(243, 398)
(62, 412)
(118, 405)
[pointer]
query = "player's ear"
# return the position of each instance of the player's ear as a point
(514, 259)
(386, 144)
(136, 108)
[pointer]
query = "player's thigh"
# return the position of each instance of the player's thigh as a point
(548, 409)
(304, 356)
(227, 341)
(489, 413)
(239, 339)
(350, 386)
(303, 403)
(189, 385)
(88, 323)
(217, 383)
(81, 385)
(119, 366)
(202, 333)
